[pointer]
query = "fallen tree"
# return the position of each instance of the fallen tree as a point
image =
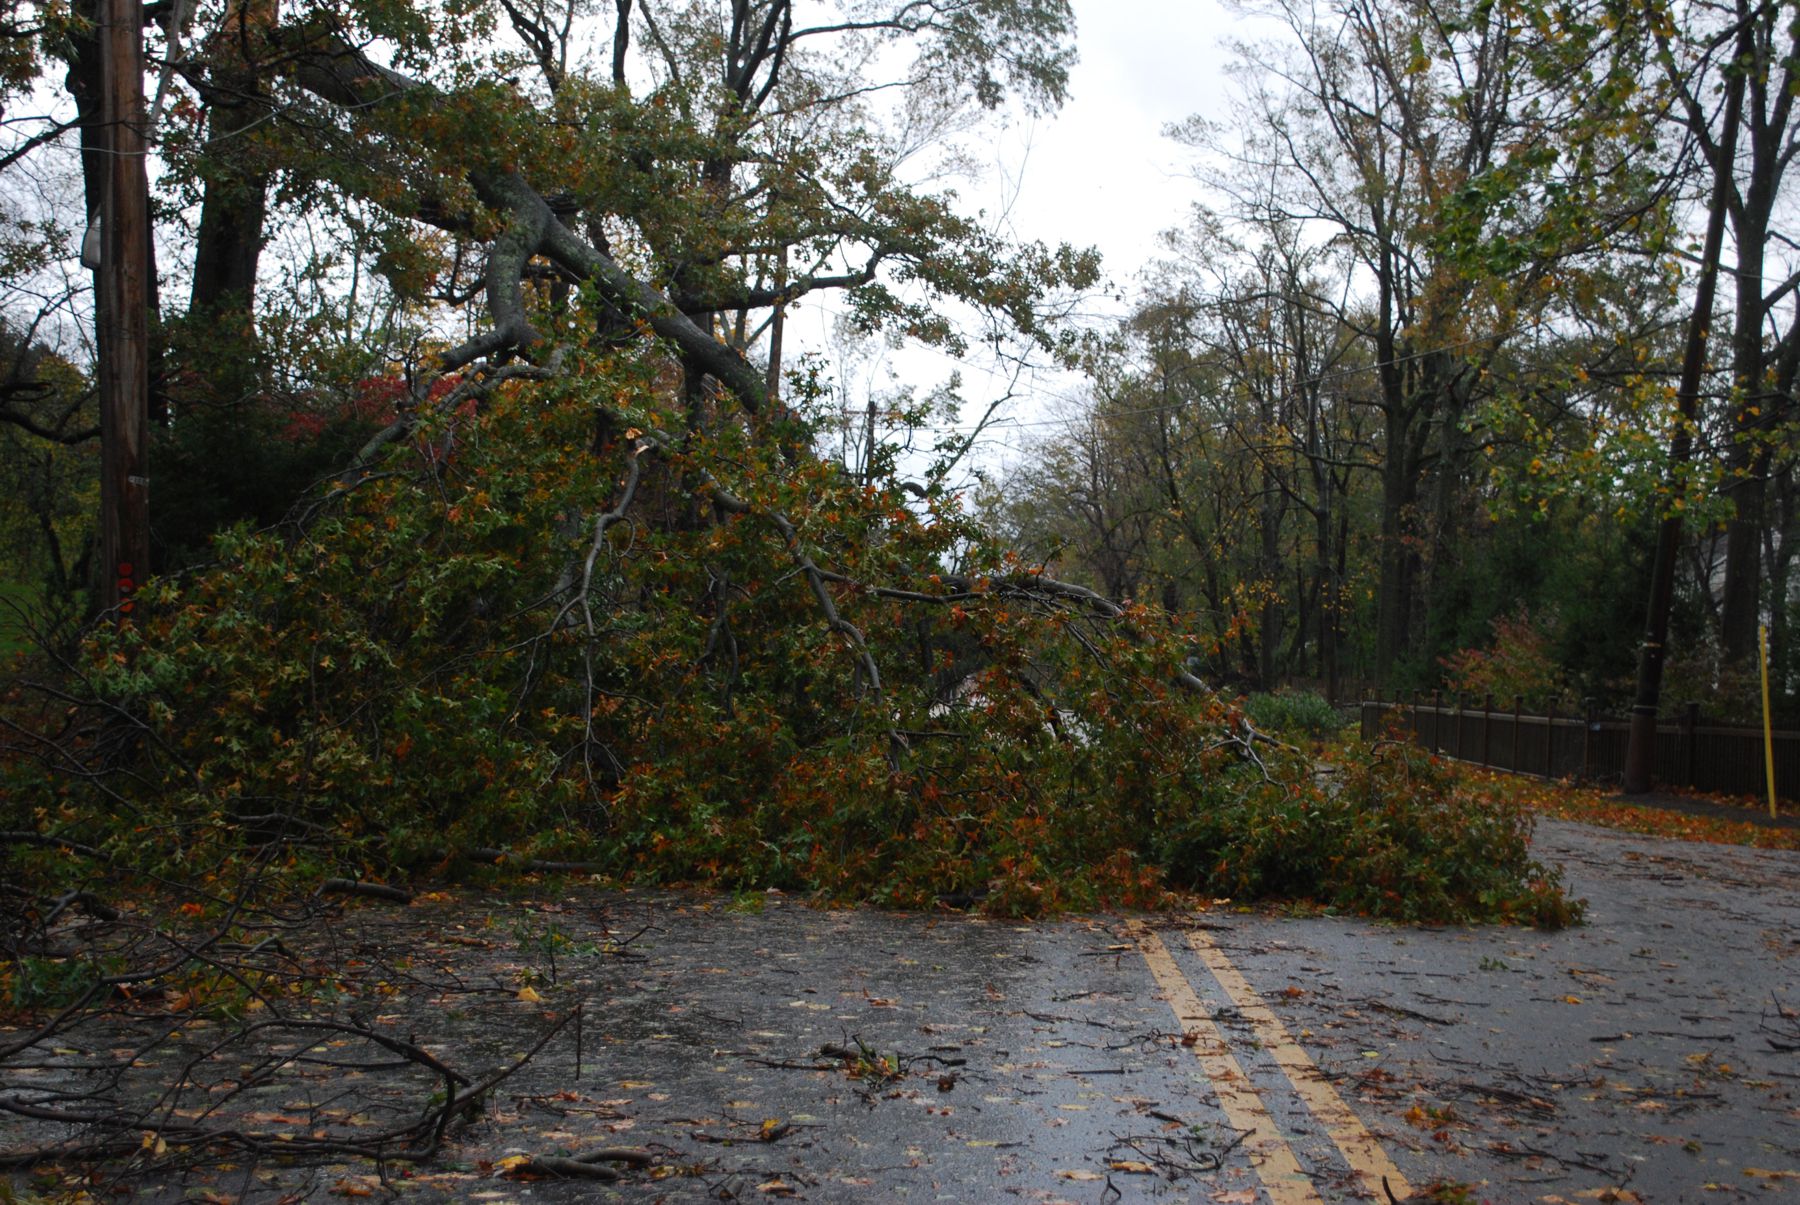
(587, 593)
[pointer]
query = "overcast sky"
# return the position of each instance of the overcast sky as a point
(1099, 173)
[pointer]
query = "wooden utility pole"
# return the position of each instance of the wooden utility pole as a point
(122, 309)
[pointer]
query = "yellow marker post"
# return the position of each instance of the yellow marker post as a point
(1762, 632)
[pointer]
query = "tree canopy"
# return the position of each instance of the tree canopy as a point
(1408, 378)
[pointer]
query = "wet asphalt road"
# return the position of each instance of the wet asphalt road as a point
(1227, 1056)
(1648, 1054)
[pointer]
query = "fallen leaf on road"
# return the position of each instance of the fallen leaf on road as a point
(1132, 1167)
(776, 1188)
(1763, 1173)
(530, 995)
(1077, 1174)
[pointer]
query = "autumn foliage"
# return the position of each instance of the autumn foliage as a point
(442, 657)
(1519, 661)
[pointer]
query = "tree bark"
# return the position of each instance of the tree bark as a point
(1399, 556)
(234, 206)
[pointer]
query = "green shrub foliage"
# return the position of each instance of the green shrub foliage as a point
(1391, 835)
(1295, 713)
(761, 672)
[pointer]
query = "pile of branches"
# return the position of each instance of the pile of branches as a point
(154, 1036)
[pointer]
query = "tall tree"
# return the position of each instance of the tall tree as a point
(1359, 130)
(1746, 151)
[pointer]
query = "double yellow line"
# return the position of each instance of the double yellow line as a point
(1274, 1161)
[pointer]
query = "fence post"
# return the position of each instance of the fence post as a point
(1487, 722)
(1587, 739)
(1437, 720)
(1515, 765)
(1690, 740)
(1550, 741)
(1418, 732)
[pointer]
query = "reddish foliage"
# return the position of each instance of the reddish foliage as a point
(1519, 662)
(375, 402)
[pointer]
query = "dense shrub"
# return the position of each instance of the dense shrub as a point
(1294, 713)
(1393, 835)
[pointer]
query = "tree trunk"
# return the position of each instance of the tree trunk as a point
(1778, 553)
(1399, 556)
(1742, 604)
(1327, 595)
(1747, 458)
(229, 247)
(1273, 617)
(1447, 495)
(234, 208)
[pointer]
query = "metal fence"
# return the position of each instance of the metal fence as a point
(1588, 745)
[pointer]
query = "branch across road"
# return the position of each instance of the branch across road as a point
(760, 1049)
